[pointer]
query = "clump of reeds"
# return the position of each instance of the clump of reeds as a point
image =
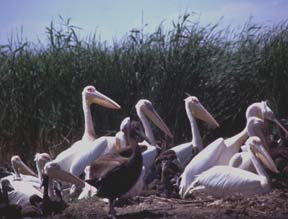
(41, 84)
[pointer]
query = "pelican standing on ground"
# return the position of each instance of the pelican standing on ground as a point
(69, 164)
(226, 180)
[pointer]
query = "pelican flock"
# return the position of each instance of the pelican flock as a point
(124, 165)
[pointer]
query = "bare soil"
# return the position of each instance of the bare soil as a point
(271, 205)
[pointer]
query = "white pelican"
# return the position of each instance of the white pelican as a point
(242, 160)
(218, 152)
(221, 151)
(41, 159)
(184, 152)
(24, 183)
(21, 169)
(22, 190)
(69, 164)
(145, 108)
(226, 180)
(120, 137)
(262, 111)
(23, 174)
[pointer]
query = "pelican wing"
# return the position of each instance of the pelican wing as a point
(225, 180)
(87, 155)
(104, 165)
(184, 153)
(204, 160)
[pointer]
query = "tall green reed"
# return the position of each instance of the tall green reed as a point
(41, 85)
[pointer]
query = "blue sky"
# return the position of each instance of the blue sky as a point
(113, 18)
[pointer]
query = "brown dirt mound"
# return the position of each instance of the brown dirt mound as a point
(270, 205)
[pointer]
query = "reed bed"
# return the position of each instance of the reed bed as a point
(227, 70)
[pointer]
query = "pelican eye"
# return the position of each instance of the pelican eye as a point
(195, 101)
(91, 89)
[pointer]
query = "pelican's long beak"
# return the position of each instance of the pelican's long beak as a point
(151, 113)
(265, 157)
(24, 169)
(280, 125)
(105, 101)
(259, 132)
(143, 137)
(202, 113)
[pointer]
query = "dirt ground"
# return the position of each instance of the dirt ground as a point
(271, 205)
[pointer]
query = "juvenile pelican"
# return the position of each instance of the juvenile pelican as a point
(226, 180)
(114, 175)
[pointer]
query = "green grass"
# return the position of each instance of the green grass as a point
(40, 86)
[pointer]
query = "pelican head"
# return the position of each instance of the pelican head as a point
(91, 95)
(255, 145)
(146, 107)
(263, 111)
(254, 124)
(136, 132)
(194, 106)
(18, 165)
(125, 122)
(269, 115)
(255, 127)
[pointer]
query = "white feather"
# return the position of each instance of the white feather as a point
(225, 180)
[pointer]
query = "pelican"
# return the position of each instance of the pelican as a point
(24, 177)
(145, 108)
(69, 164)
(221, 151)
(120, 137)
(21, 169)
(263, 111)
(41, 159)
(218, 152)
(242, 160)
(184, 152)
(226, 180)
(180, 155)
(145, 111)
(114, 175)
(23, 182)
